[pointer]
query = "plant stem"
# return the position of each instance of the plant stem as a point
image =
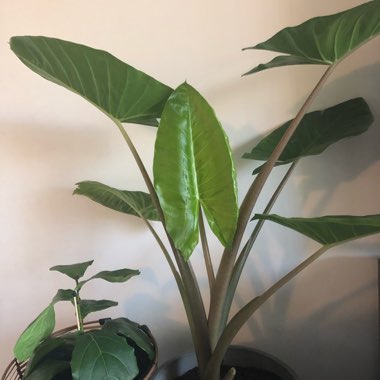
(198, 321)
(259, 182)
(224, 273)
(246, 312)
(78, 313)
(191, 295)
(178, 279)
(240, 262)
(230, 375)
(173, 269)
(142, 169)
(206, 252)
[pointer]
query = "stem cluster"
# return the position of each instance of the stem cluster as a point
(213, 334)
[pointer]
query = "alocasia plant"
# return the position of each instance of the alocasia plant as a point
(194, 174)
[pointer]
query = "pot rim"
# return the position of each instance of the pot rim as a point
(179, 365)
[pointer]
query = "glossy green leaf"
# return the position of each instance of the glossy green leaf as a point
(323, 40)
(64, 295)
(39, 329)
(117, 89)
(100, 355)
(316, 132)
(91, 306)
(330, 229)
(131, 330)
(193, 168)
(134, 203)
(74, 271)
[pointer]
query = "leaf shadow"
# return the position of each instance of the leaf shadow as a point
(357, 153)
(333, 321)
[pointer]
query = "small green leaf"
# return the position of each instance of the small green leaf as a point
(323, 40)
(134, 203)
(117, 89)
(74, 271)
(64, 295)
(119, 275)
(39, 329)
(101, 355)
(91, 306)
(132, 330)
(330, 229)
(316, 132)
(193, 168)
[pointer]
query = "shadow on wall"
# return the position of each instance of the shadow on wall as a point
(57, 151)
(315, 323)
(319, 181)
(165, 318)
(346, 160)
(162, 312)
(324, 323)
(362, 82)
(41, 165)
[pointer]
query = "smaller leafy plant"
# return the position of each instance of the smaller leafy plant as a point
(119, 349)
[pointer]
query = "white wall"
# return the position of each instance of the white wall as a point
(324, 324)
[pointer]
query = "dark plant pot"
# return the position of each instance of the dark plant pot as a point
(15, 369)
(236, 356)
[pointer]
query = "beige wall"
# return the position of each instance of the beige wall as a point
(324, 323)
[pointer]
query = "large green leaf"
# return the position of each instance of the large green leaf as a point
(193, 168)
(330, 229)
(74, 271)
(52, 348)
(316, 132)
(49, 369)
(39, 329)
(131, 330)
(91, 306)
(134, 203)
(101, 355)
(323, 40)
(117, 89)
(41, 353)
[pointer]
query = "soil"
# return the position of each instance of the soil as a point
(242, 373)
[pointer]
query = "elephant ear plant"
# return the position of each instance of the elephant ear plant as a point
(194, 174)
(84, 354)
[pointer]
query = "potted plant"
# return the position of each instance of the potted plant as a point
(194, 177)
(111, 349)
